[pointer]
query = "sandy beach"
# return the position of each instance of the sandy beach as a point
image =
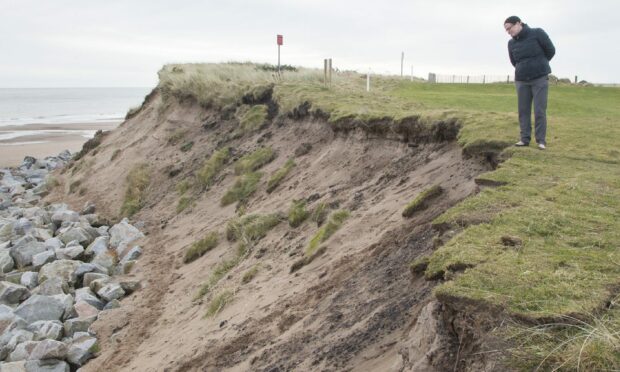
(41, 140)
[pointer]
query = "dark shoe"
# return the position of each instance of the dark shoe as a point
(521, 144)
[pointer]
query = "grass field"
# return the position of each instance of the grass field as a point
(562, 205)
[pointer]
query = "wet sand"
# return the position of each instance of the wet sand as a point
(42, 144)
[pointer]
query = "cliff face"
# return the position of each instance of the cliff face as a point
(273, 300)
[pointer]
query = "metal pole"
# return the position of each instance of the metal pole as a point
(325, 72)
(278, 59)
(368, 81)
(402, 60)
(329, 71)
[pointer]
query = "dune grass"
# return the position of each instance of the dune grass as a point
(218, 303)
(335, 221)
(138, 181)
(243, 187)
(254, 160)
(212, 167)
(279, 175)
(251, 228)
(297, 213)
(249, 275)
(202, 246)
(251, 118)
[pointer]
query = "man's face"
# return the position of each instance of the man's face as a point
(513, 29)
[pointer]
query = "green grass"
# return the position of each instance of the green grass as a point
(319, 213)
(218, 303)
(187, 146)
(199, 248)
(243, 187)
(251, 228)
(254, 160)
(279, 175)
(422, 200)
(562, 203)
(212, 167)
(183, 187)
(297, 213)
(335, 221)
(176, 136)
(221, 269)
(249, 275)
(138, 181)
(251, 118)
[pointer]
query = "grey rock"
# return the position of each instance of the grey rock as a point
(40, 259)
(10, 322)
(97, 284)
(133, 254)
(30, 279)
(67, 302)
(85, 310)
(74, 325)
(39, 307)
(46, 329)
(64, 216)
(81, 350)
(49, 349)
(52, 286)
(88, 296)
(6, 261)
(13, 293)
(69, 253)
(22, 351)
(15, 337)
(98, 246)
(124, 232)
(89, 268)
(89, 208)
(130, 286)
(23, 226)
(42, 234)
(23, 250)
(106, 259)
(90, 277)
(48, 365)
(124, 267)
(53, 244)
(4, 309)
(103, 231)
(111, 291)
(14, 277)
(114, 304)
(76, 233)
(64, 269)
(13, 367)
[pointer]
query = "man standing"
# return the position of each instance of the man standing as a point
(530, 51)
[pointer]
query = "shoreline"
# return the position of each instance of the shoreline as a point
(45, 140)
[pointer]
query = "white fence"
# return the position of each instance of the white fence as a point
(469, 79)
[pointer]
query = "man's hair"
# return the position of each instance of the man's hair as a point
(512, 20)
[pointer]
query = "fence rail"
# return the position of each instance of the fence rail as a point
(469, 79)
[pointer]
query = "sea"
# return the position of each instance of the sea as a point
(54, 106)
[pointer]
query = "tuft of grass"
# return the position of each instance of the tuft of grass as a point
(177, 136)
(218, 303)
(251, 228)
(135, 194)
(279, 175)
(251, 118)
(212, 167)
(115, 154)
(183, 187)
(335, 221)
(422, 200)
(199, 248)
(319, 213)
(249, 275)
(297, 213)
(254, 160)
(243, 187)
(220, 270)
(184, 203)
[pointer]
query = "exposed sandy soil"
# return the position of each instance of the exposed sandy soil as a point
(350, 309)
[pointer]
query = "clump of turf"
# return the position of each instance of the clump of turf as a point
(279, 175)
(297, 213)
(199, 248)
(243, 187)
(249, 275)
(212, 167)
(135, 195)
(334, 223)
(251, 228)
(251, 118)
(218, 303)
(421, 201)
(255, 160)
(319, 213)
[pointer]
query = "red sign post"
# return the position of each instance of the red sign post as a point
(280, 42)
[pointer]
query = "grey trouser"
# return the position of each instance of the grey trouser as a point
(527, 91)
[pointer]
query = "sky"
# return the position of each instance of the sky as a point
(77, 43)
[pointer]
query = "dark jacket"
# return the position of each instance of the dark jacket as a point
(530, 52)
